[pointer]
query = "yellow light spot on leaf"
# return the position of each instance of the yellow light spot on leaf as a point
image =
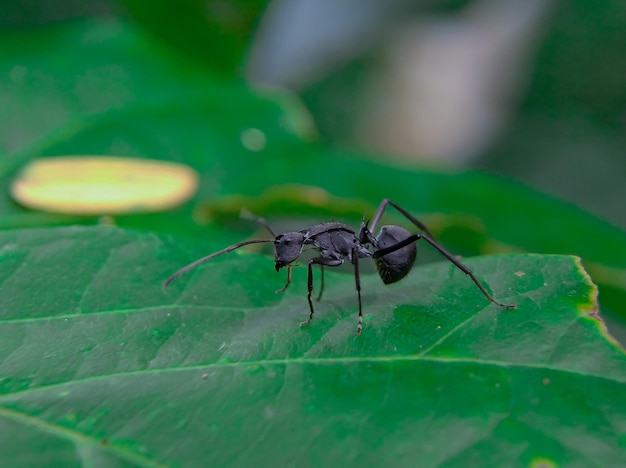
(100, 185)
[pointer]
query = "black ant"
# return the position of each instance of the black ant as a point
(394, 250)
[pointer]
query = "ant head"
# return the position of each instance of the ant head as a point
(395, 265)
(287, 248)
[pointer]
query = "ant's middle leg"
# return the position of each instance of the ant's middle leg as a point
(319, 295)
(317, 261)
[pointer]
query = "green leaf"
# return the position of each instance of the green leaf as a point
(53, 83)
(99, 367)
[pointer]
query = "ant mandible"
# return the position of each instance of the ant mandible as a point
(394, 250)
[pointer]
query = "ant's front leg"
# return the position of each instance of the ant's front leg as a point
(318, 261)
(284, 288)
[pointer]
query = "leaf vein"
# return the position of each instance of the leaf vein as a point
(319, 361)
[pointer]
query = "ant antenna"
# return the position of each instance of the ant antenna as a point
(245, 214)
(202, 260)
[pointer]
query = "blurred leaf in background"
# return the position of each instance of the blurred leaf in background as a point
(569, 136)
(532, 90)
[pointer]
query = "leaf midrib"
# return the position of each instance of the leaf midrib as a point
(121, 311)
(320, 361)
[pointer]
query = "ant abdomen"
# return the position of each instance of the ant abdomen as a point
(395, 265)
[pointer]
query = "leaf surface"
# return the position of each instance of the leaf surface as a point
(100, 367)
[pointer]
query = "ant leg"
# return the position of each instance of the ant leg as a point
(357, 282)
(284, 288)
(318, 261)
(381, 210)
(319, 296)
(449, 256)
(468, 272)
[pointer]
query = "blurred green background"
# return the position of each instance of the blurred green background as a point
(532, 90)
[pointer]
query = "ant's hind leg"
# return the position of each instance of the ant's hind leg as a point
(381, 210)
(450, 257)
(468, 272)
(357, 283)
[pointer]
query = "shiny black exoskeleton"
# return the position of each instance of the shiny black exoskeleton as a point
(394, 250)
